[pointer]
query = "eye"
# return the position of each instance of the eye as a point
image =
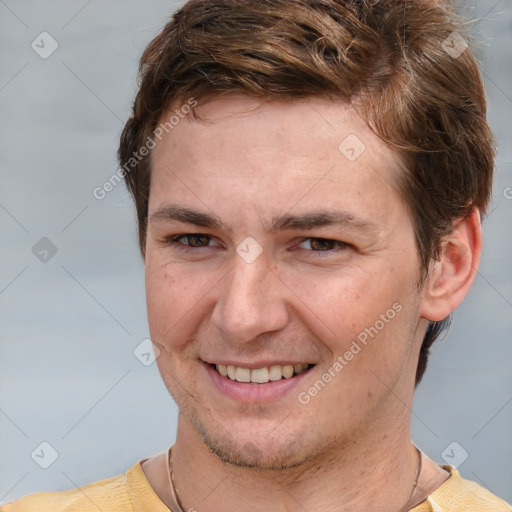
(323, 245)
(194, 240)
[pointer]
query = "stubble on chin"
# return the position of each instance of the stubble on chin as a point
(247, 454)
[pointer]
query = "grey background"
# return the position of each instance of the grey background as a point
(69, 326)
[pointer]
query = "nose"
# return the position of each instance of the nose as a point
(251, 301)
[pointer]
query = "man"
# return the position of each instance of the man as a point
(309, 178)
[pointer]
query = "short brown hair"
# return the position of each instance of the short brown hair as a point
(396, 59)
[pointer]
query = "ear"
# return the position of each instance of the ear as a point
(451, 276)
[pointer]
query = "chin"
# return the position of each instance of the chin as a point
(248, 455)
(260, 451)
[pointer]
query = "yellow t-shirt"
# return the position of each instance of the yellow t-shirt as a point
(132, 492)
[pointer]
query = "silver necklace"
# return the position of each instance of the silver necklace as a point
(174, 492)
(416, 480)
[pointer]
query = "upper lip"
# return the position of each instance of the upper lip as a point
(253, 365)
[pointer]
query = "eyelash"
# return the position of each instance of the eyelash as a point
(174, 242)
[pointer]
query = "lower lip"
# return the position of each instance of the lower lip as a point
(251, 393)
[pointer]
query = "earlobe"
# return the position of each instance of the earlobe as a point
(451, 276)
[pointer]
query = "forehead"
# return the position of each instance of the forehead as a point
(273, 156)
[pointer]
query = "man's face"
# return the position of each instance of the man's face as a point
(275, 283)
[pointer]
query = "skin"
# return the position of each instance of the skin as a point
(302, 299)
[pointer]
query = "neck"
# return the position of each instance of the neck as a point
(374, 472)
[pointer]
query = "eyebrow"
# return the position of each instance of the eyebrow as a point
(305, 221)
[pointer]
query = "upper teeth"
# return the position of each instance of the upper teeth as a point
(259, 375)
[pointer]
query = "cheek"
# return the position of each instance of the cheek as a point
(168, 298)
(358, 305)
(338, 303)
(177, 300)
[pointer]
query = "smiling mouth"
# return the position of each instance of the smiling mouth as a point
(261, 375)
